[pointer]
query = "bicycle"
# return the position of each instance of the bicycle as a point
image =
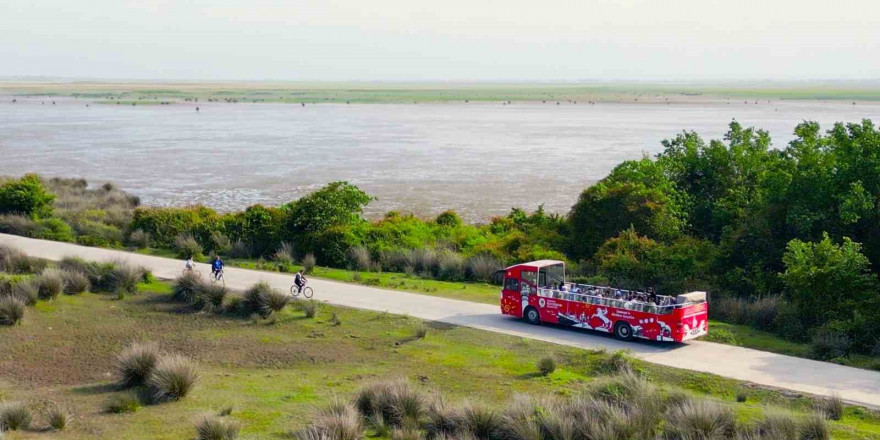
(193, 270)
(306, 291)
(217, 277)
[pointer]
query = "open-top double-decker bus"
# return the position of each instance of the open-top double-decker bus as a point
(537, 291)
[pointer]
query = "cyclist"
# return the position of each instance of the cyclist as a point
(217, 267)
(300, 280)
(189, 263)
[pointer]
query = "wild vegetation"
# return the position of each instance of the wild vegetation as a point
(370, 377)
(785, 240)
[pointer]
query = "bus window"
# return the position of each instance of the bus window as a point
(530, 277)
(511, 284)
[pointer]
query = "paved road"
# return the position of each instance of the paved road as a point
(821, 378)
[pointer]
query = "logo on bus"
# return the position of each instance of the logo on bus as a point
(541, 302)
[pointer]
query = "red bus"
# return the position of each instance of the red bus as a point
(537, 291)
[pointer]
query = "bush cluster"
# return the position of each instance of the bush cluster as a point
(167, 377)
(191, 289)
(263, 300)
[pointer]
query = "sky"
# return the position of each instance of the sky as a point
(445, 40)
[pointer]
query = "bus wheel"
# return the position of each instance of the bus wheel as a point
(623, 331)
(533, 316)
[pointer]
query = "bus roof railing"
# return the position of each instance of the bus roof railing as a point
(642, 306)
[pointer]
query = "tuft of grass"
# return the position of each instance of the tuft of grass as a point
(742, 396)
(58, 418)
(26, 291)
(210, 296)
(546, 366)
(136, 363)
(309, 262)
(441, 421)
(225, 411)
(284, 254)
(186, 287)
(75, 282)
(619, 362)
(480, 421)
(12, 310)
(310, 308)
(122, 403)
(421, 331)
(124, 278)
(391, 403)
(700, 419)
(778, 424)
(831, 407)
(173, 378)
(340, 421)
(49, 284)
(215, 428)
(14, 416)
(814, 427)
(262, 299)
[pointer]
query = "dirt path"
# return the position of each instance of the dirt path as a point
(769, 369)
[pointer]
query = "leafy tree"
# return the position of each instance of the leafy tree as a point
(829, 282)
(320, 219)
(636, 194)
(26, 196)
(448, 218)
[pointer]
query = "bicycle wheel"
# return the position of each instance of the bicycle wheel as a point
(307, 292)
(294, 291)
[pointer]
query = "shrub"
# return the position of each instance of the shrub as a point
(284, 254)
(18, 225)
(173, 378)
(220, 243)
(814, 427)
(49, 284)
(777, 424)
(240, 249)
(13, 260)
(546, 366)
(340, 421)
(827, 345)
(309, 262)
(831, 407)
(310, 308)
(699, 419)
(215, 428)
(139, 238)
(123, 278)
(187, 246)
(210, 296)
(391, 403)
(482, 267)
(618, 362)
(75, 282)
(450, 266)
(14, 416)
(11, 310)
(441, 421)
(26, 291)
(58, 418)
(262, 299)
(758, 313)
(480, 421)
(136, 363)
(421, 331)
(122, 403)
(721, 336)
(26, 196)
(360, 258)
(742, 396)
(186, 287)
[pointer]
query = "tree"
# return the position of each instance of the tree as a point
(320, 220)
(829, 282)
(635, 194)
(26, 196)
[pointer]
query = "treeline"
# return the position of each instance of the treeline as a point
(785, 239)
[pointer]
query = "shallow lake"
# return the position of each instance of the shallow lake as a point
(480, 159)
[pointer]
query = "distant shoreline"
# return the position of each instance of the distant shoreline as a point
(437, 92)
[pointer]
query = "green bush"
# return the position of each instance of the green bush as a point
(187, 246)
(546, 366)
(172, 378)
(12, 310)
(828, 345)
(139, 239)
(26, 196)
(75, 282)
(14, 416)
(136, 363)
(122, 403)
(54, 229)
(49, 284)
(215, 428)
(262, 299)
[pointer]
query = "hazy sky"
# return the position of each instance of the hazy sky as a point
(441, 39)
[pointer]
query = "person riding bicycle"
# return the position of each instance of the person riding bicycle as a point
(189, 263)
(300, 280)
(216, 267)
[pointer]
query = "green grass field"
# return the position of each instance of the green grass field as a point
(276, 372)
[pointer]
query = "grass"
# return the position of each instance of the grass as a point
(276, 372)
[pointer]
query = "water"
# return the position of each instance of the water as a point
(479, 159)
